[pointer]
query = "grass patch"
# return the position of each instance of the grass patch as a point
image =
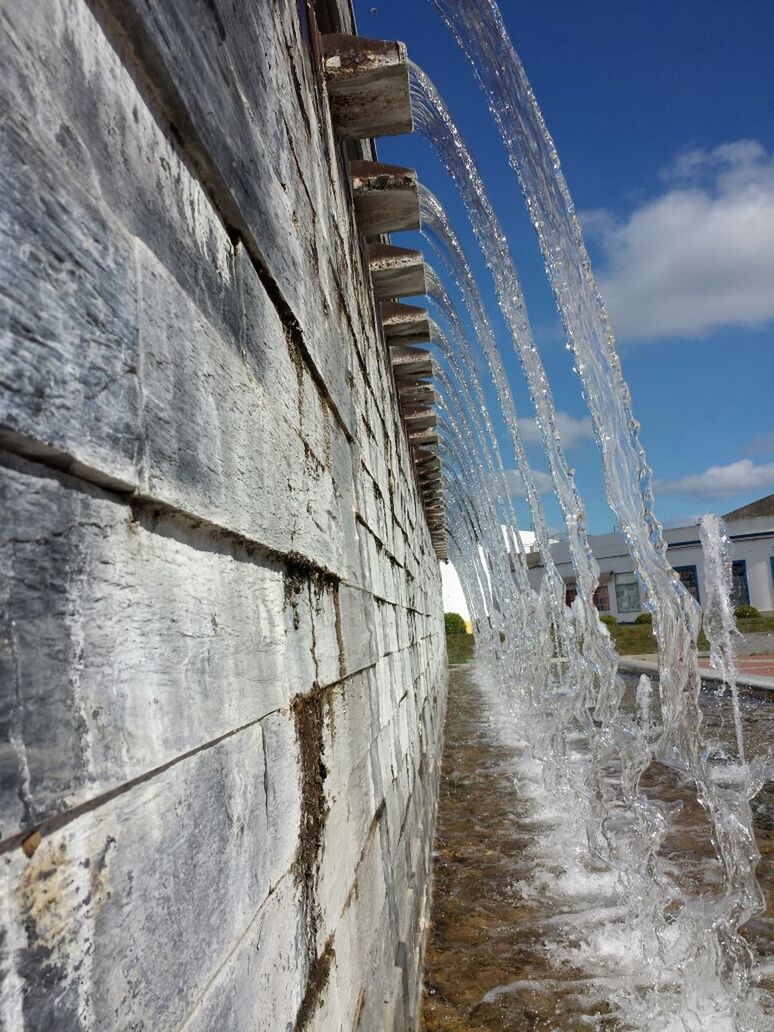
(636, 639)
(756, 623)
(630, 639)
(459, 648)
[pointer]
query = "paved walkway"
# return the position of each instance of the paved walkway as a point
(760, 666)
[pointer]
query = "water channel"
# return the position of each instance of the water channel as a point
(526, 935)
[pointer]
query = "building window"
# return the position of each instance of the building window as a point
(740, 593)
(601, 596)
(627, 593)
(689, 580)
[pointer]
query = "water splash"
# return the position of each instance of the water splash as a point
(718, 611)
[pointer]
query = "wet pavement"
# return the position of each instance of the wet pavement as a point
(487, 964)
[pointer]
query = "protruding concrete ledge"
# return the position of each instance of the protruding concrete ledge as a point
(404, 324)
(417, 393)
(408, 363)
(423, 456)
(413, 367)
(386, 198)
(423, 437)
(368, 86)
(396, 271)
(430, 449)
(419, 417)
(431, 465)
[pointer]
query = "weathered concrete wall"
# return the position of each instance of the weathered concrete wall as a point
(222, 675)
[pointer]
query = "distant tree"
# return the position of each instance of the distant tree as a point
(454, 623)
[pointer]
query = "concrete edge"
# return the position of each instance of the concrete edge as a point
(642, 666)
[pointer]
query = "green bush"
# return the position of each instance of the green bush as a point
(746, 612)
(609, 619)
(644, 618)
(454, 623)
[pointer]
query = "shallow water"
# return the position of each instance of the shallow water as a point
(526, 933)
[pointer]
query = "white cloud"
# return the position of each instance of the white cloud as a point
(701, 255)
(515, 484)
(718, 481)
(571, 430)
(764, 444)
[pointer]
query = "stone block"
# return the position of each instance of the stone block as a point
(395, 271)
(264, 976)
(359, 647)
(325, 646)
(69, 348)
(368, 86)
(386, 198)
(145, 896)
(128, 643)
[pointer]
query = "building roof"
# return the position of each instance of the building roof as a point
(763, 507)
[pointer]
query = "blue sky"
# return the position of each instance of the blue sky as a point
(663, 115)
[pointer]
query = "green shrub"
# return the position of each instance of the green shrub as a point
(609, 619)
(644, 618)
(746, 612)
(454, 623)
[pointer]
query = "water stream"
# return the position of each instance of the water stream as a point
(607, 768)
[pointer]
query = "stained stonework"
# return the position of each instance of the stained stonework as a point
(222, 667)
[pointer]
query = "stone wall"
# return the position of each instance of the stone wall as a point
(222, 668)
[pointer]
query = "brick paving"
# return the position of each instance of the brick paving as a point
(760, 666)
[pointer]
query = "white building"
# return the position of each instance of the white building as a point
(750, 530)
(453, 595)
